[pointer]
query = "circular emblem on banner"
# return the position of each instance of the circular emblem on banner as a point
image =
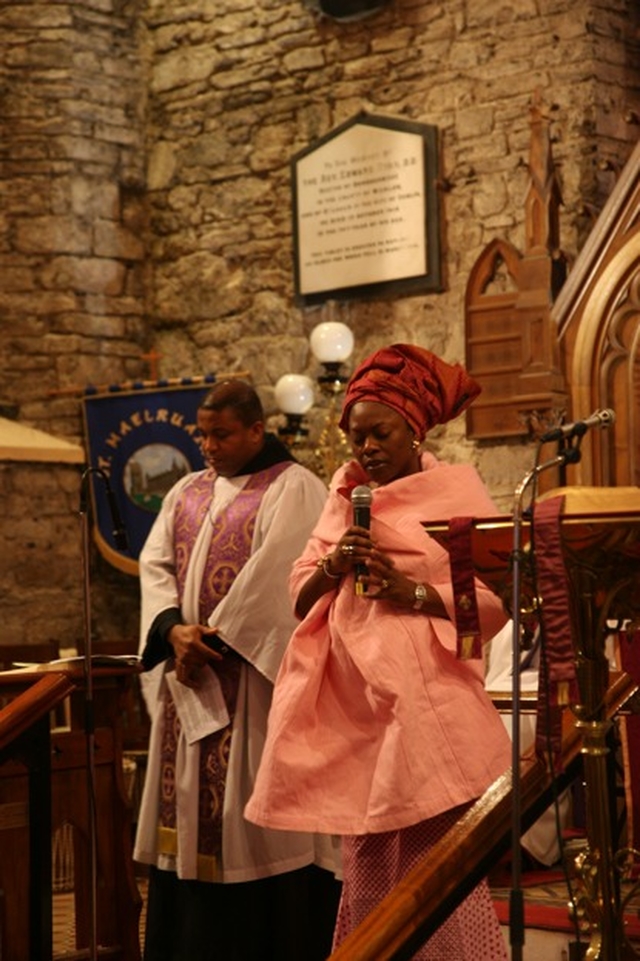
(151, 472)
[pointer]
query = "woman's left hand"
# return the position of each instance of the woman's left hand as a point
(386, 583)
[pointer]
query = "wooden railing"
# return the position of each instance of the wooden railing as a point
(435, 887)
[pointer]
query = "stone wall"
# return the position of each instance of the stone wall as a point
(145, 201)
(232, 97)
(42, 563)
(72, 285)
(72, 231)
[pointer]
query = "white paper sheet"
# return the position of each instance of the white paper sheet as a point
(201, 709)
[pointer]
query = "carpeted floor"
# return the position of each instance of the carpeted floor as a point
(547, 894)
(64, 920)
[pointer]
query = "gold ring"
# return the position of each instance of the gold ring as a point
(384, 585)
(346, 549)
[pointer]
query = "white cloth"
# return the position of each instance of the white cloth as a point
(256, 620)
(541, 840)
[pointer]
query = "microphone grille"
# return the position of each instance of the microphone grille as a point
(607, 416)
(361, 496)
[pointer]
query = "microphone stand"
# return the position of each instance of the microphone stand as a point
(89, 716)
(89, 723)
(568, 455)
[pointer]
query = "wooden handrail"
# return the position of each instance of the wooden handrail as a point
(453, 867)
(32, 705)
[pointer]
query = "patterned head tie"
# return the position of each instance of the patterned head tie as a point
(421, 387)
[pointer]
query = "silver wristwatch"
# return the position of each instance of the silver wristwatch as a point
(420, 595)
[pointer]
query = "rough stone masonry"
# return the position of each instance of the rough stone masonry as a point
(145, 201)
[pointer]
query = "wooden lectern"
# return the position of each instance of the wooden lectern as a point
(600, 540)
(43, 785)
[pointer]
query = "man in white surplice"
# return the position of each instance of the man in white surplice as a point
(216, 618)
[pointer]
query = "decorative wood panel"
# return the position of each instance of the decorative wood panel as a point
(512, 345)
(597, 316)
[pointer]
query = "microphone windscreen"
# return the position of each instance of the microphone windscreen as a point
(361, 496)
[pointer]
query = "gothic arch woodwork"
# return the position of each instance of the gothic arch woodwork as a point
(494, 272)
(512, 345)
(542, 352)
(493, 339)
(603, 368)
(598, 319)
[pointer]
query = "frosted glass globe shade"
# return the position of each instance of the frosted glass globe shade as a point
(331, 342)
(294, 394)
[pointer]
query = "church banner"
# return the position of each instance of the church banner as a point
(140, 441)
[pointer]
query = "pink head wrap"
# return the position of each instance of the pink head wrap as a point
(421, 387)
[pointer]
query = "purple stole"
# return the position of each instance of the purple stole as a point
(229, 551)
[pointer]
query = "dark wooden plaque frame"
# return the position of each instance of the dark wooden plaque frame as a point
(366, 212)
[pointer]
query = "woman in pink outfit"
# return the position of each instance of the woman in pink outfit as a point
(379, 730)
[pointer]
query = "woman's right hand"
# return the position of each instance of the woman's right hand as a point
(354, 547)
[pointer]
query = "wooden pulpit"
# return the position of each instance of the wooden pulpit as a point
(600, 530)
(44, 784)
(599, 537)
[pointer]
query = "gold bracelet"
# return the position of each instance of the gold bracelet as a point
(323, 564)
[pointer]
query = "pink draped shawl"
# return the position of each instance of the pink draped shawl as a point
(375, 723)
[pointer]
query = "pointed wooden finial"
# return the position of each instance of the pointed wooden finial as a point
(543, 197)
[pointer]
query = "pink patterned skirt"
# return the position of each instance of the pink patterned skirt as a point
(374, 863)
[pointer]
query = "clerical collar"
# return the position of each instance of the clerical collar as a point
(273, 451)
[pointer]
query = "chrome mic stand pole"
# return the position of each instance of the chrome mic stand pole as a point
(516, 902)
(89, 722)
(120, 539)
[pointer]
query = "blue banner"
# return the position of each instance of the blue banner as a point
(140, 441)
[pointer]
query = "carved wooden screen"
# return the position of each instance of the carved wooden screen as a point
(598, 318)
(511, 343)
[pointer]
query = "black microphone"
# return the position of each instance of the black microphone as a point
(361, 501)
(600, 418)
(119, 531)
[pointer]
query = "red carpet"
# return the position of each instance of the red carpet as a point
(546, 900)
(549, 918)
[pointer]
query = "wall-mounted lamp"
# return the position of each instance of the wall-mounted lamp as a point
(294, 396)
(331, 344)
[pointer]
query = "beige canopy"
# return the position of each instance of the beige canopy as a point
(21, 443)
